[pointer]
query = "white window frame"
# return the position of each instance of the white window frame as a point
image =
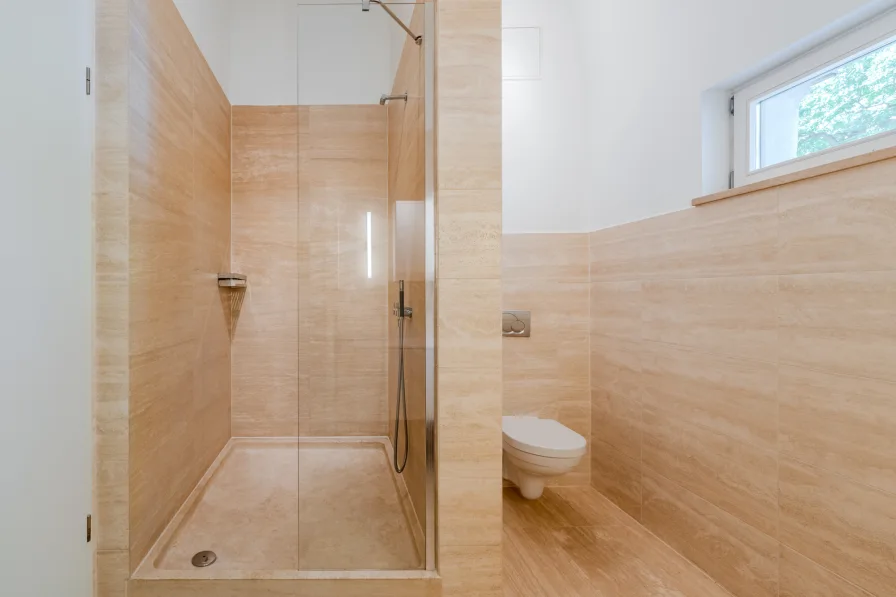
(860, 40)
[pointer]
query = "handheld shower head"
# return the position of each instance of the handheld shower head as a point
(365, 5)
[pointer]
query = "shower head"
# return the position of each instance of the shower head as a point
(365, 5)
(388, 98)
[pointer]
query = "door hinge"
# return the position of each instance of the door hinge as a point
(88, 81)
(731, 106)
(89, 527)
(731, 179)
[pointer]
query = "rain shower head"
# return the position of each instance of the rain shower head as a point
(365, 5)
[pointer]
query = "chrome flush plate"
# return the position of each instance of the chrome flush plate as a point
(517, 324)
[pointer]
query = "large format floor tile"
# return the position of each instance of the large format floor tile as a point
(575, 542)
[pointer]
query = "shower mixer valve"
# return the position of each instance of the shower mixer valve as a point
(408, 311)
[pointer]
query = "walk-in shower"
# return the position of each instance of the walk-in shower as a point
(328, 468)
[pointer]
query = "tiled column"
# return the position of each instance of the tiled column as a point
(468, 206)
(111, 363)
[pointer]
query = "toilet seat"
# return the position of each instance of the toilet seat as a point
(542, 437)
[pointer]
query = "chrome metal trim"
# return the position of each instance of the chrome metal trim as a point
(418, 39)
(388, 98)
(232, 280)
(431, 261)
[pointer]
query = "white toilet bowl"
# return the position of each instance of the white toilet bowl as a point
(538, 450)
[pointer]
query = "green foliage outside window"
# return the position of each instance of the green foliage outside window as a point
(857, 100)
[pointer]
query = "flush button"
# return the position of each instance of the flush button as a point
(517, 324)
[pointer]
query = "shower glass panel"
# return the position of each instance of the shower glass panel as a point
(365, 269)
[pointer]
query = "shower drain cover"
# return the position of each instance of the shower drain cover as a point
(204, 558)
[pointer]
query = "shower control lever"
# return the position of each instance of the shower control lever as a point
(408, 311)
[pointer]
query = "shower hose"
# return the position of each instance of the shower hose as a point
(401, 404)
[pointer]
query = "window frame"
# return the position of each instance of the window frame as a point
(863, 39)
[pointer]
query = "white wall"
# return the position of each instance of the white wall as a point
(546, 186)
(46, 256)
(341, 54)
(648, 65)
(209, 22)
(271, 52)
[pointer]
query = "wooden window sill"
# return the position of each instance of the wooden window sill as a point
(845, 164)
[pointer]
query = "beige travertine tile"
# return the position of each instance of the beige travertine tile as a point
(616, 420)
(469, 512)
(286, 588)
(469, 143)
(179, 239)
(265, 215)
(616, 476)
(536, 565)
(734, 397)
(737, 556)
(616, 395)
(801, 577)
(561, 256)
(848, 528)
(111, 429)
(736, 477)
(732, 316)
(313, 315)
(616, 366)
(733, 238)
(469, 323)
(551, 511)
(621, 560)
(842, 424)
(469, 425)
(471, 571)
(584, 545)
(616, 309)
(616, 253)
(840, 323)
(840, 222)
(468, 133)
(111, 573)
(354, 132)
(111, 362)
(362, 504)
(470, 234)
(469, 31)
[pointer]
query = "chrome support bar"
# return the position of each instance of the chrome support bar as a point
(365, 6)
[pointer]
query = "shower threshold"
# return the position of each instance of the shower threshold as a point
(294, 508)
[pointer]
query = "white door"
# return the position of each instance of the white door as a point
(46, 273)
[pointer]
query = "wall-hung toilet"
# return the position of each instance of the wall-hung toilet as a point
(538, 450)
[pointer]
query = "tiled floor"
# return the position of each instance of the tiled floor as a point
(279, 505)
(574, 542)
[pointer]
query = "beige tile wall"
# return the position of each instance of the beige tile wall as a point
(469, 361)
(469, 293)
(547, 375)
(179, 239)
(407, 178)
(744, 397)
(111, 405)
(310, 338)
(265, 248)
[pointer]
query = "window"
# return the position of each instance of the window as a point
(835, 102)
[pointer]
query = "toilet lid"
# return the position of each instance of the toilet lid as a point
(542, 437)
